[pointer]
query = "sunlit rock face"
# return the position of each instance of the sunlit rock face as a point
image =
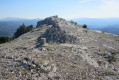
(59, 30)
(55, 21)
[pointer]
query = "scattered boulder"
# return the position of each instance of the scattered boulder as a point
(43, 41)
(22, 64)
(27, 59)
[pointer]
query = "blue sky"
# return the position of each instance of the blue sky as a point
(67, 9)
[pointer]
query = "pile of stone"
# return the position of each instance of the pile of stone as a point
(55, 34)
(55, 21)
(59, 31)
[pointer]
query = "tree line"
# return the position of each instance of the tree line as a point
(4, 39)
(20, 31)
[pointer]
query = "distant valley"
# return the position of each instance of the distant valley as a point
(110, 25)
(9, 25)
(114, 29)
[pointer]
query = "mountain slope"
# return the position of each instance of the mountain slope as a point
(93, 55)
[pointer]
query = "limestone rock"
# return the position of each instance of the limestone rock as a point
(55, 34)
(60, 30)
(81, 55)
(43, 41)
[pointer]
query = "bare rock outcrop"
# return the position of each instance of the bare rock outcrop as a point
(55, 21)
(58, 32)
(55, 34)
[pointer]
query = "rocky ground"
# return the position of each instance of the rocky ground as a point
(90, 55)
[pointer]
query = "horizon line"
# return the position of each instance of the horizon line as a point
(58, 16)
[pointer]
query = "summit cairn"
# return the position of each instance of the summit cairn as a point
(56, 21)
(48, 21)
(59, 30)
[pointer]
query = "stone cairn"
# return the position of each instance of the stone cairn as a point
(57, 32)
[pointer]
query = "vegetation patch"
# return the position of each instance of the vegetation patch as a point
(22, 30)
(100, 62)
(4, 39)
(84, 26)
(108, 72)
(112, 59)
(57, 77)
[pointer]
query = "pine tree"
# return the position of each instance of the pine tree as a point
(22, 30)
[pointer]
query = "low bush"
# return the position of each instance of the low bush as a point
(112, 59)
(22, 30)
(84, 26)
(4, 39)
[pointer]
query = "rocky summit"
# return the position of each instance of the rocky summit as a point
(60, 50)
(59, 30)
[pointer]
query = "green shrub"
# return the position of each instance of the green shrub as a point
(84, 26)
(22, 30)
(57, 77)
(108, 72)
(4, 39)
(112, 59)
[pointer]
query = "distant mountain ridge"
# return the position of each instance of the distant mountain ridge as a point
(9, 25)
(17, 19)
(97, 22)
(114, 29)
(110, 25)
(12, 19)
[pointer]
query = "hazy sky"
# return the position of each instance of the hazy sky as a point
(63, 8)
